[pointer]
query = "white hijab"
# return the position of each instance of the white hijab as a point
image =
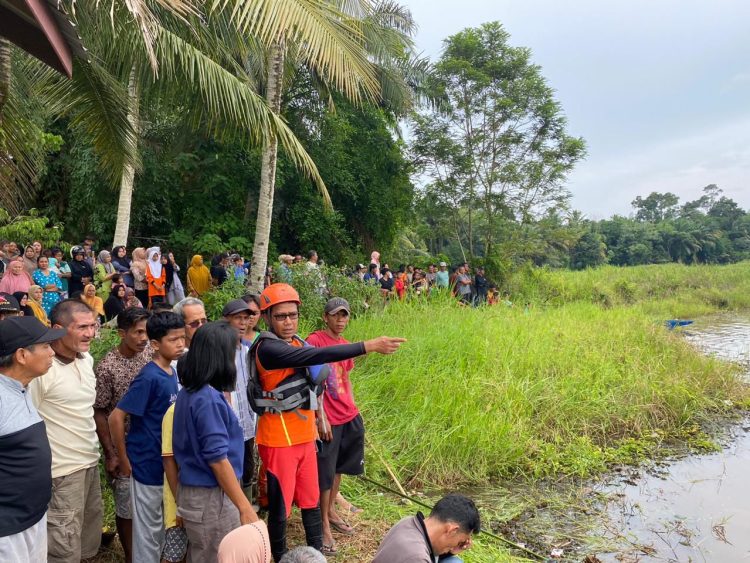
(154, 266)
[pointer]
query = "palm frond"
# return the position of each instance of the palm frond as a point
(22, 149)
(97, 105)
(224, 103)
(329, 41)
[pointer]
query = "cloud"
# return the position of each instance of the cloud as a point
(719, 155)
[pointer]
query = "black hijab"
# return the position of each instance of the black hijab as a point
(124, 261)
(25, 309)
(113, 306)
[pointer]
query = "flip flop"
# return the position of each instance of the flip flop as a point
(342, 527)
(329, 550)
(355, 509)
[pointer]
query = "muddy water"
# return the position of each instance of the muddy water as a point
(696, 508)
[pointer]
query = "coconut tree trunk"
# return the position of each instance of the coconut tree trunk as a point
(4, 73)
(128, 172)
(267, 172)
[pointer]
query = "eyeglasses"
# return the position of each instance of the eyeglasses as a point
(281, 317)
(197, 323)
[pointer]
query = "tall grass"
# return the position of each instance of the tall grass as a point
(670, 290)
(481, 393)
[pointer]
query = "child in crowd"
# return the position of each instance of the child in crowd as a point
(150, 394)
(175, 536)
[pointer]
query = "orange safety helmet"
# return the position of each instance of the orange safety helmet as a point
(278, 293)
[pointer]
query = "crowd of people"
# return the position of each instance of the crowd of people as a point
(181, 409)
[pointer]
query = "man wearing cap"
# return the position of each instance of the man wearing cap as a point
(25, 457)
(442, 276)
(340, 425)
(8, 306)
(65, 398)
(237, 314)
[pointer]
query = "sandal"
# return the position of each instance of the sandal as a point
(342, 527)
(355, 509)
(329, 550)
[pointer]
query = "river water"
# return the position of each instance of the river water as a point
(696, 508)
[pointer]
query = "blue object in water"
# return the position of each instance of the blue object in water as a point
(672, 323)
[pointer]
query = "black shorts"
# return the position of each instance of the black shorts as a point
(344, 454)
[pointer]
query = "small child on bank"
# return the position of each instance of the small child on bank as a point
(150, 394)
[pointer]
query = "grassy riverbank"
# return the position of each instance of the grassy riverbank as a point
(586, 377)
(498, 392)
(666, 290)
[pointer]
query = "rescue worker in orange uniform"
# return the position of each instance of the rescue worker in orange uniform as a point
(285, 385)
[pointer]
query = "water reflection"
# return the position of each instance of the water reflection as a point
(698, 509)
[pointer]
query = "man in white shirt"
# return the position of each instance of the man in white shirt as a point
(64, 397)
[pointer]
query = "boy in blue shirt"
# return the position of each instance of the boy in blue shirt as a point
(150, 394)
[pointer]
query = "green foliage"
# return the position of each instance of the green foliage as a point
(362, 298)
(668, 290)
(498, 151)
(108, 339)
(480, 393)
(24, 229)
(589, 252)
(217, 297)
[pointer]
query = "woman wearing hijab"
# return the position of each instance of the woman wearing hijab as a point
(23, 303)
(49, 281)
(198, 277)
(80, 271)
(246, 544)
(175, 290)
(115, 303)
(29, 259)
(103, 274)
(35, 303)
(138, 268)
(156, 277)
(121, 262)
(16, 278)
(131, 300)
(92, 300)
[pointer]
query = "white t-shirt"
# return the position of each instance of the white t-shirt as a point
(64, 397)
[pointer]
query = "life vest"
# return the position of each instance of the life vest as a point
(297, 391)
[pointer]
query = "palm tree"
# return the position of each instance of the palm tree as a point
(379, 34)
(184, 52)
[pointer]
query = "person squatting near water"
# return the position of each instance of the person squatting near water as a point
(445, 533)
(287, 379)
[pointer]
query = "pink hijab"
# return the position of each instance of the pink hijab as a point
(246, 544)
(12, 283)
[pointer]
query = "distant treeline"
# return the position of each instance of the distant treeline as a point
(710, 230)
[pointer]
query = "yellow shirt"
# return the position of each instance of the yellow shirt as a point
(64, 397)
(170, 506)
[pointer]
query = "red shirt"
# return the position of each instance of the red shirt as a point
(338, 399)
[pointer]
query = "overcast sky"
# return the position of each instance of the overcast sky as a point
(659, 89)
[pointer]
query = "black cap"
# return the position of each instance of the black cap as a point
(335, 305)
(22, 332)
(8, 303)
(234, 306)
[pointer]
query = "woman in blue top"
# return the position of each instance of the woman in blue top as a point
(208, 443)
(49, 281)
